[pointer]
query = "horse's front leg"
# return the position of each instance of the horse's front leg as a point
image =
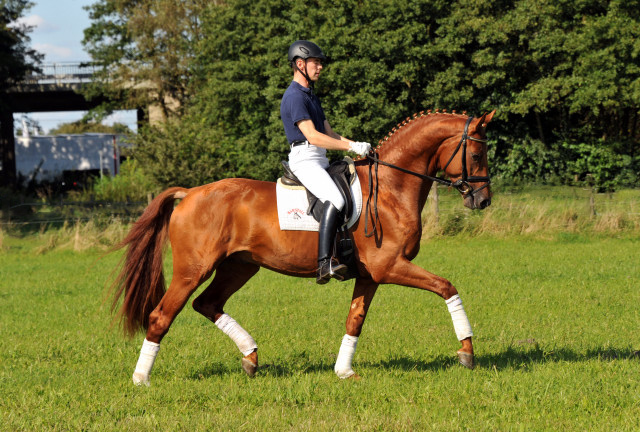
(363, 293)
(404, 272)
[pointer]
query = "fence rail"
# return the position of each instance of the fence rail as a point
(38, 213)
(61, 73)
(529, 211)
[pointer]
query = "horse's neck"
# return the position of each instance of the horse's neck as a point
(414, 146)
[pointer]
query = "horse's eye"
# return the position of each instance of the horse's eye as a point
(476, 156)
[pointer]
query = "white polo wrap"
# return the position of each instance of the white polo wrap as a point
(148, 354)
(231, 328)
(459, 317)
(345, 357)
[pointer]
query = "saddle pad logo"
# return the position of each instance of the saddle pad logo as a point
(296, 213)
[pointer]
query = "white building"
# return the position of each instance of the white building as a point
(49, 158)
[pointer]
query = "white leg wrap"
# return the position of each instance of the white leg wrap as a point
(345, 357)
(231, 328)
(459, 317)
(148, 355)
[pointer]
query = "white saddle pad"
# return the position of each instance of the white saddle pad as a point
(293, 204)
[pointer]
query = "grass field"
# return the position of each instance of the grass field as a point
(556, 323)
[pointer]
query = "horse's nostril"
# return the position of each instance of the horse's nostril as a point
(484, 203)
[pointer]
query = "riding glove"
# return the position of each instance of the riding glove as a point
(361, 148)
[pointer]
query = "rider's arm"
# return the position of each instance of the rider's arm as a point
(323, 140)
(329, 131)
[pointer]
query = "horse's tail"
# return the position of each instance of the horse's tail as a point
(141, 280)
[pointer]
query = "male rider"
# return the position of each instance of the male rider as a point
(310, 136)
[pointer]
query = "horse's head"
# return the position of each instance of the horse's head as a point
(464, 160)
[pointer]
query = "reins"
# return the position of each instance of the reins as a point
(462, 184)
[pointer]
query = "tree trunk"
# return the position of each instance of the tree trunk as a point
(7, 150)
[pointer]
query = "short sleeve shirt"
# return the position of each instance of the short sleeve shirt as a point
(300, 103)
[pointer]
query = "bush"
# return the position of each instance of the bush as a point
(132, 184)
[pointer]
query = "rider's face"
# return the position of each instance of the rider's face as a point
(314, 66)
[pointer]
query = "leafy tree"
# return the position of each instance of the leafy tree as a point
(16, 60)
(144, 51)
(369, 84)
(87, 126)
(563, 75)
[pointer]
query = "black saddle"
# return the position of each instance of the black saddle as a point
(342, 177)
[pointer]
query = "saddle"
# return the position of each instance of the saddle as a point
(343, 175)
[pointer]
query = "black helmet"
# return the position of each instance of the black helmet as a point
(305, 49)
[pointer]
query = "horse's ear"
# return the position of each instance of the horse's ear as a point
(484, 120)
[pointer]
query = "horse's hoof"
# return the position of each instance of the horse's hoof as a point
(348, 375)
(139, 379)
(249, 367)
(354, 377)
(466, 359)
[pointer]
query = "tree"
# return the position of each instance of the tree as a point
(16, 60)
(144, 49)
(16, 57)
(563, 75)
(87, 126)
(242, 70)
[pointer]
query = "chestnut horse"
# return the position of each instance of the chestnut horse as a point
(231, 227)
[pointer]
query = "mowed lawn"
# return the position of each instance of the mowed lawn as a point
(557, 334)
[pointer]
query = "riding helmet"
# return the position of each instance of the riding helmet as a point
(305, 49)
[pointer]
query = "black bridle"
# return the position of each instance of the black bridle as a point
(462, 184)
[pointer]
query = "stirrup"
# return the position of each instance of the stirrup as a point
(330, 268)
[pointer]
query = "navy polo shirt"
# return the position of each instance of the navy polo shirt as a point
(300, 103)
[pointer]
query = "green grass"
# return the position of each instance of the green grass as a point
(556, 337)
(536, 210)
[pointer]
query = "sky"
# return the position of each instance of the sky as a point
(57, 33)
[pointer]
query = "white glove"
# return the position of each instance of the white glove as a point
(361, 148)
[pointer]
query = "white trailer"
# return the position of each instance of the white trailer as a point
(49, 158)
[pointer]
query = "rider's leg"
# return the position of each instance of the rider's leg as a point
(327, 266)
(315, 178)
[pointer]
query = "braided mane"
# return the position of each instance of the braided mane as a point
(408, 120)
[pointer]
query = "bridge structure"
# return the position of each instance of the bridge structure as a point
(56, 88)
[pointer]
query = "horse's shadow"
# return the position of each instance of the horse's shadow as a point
(514, 358)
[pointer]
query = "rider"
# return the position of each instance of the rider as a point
(310, 136)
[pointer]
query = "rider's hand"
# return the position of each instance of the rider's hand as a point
(361, 148)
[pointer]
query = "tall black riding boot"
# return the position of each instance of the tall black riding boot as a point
(328, 267)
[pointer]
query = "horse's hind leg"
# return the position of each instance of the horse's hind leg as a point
(160, 320)
(230, 276)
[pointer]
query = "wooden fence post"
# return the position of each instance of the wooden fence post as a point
(434, 196)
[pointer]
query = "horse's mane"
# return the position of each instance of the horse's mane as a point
(415, 116)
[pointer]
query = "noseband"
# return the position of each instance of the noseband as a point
(462, 184)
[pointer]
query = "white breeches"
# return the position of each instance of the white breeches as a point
(314, 176)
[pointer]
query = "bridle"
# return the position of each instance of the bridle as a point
(462, 184)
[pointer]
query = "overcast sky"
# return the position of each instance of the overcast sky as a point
(57, 33)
